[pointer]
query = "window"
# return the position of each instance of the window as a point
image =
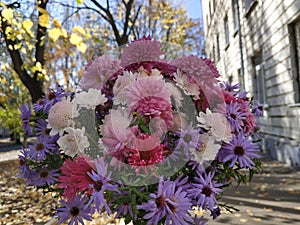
(295, 50)
(226, 29)
(259, 87)
(234, 14)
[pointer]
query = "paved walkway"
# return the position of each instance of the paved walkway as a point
(272, 198)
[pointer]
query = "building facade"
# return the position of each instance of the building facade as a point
(257, 43)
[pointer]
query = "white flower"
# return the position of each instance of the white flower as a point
(184, 82)
(155, 73)
(60, 116)
(207, 151)
(74, 142)
(90, 99)
(121, 86)
(216, 124)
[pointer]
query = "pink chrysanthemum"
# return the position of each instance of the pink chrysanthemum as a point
(75, 178)
(152, 107)
(146, 87)
(115, 130)
(196, 68)
(145, 152)
(141, 50)
(98, 72)
(146, 158)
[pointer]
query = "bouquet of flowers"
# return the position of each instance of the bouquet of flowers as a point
(146, 138)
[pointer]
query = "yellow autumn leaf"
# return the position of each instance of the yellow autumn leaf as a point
(56, 23)
(44, 20)
(75, 39)
(54, 33)
(27, 24)
(82, 47)
(43, 11)
(64, 32)
(7, 13)
(80, 1)
(79, 30)
(23, 50)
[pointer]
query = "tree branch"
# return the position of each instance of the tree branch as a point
(40, 39)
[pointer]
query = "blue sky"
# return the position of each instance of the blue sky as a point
(193, 8)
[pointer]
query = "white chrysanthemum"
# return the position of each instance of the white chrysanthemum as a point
(155, 73)
(61, 116)
(121, 86)
(74, 142)
(189, 88)
(207, 151)
(217, 124)
(90, 99)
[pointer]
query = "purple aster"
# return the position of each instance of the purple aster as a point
(170, 202)
(235, 116)
(40, 127)
(101, 184)
(258, 109)
(215, 213)
(24, 169)
(189, 138)
(240, 149)
(205, 189)
(199, 220)
(230, 87)
(39, 105)
(43, 146)
(45, 177)
(25, 117)
(242, 95)
(54, 96)
(76, 210)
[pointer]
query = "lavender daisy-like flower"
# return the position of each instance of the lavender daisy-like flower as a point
(25, 117)
(76, 210)
(101, 184)
(258, 109)
(170, 202)
(189, 138)
(205, 189)
(40, 127)
(240, 149)
(45, 177)
(230, 87)
(24, 169)
(235, 116)
(53, 97)
(43, 146)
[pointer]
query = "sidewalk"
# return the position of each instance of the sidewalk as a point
(9, 150)
(271, 198)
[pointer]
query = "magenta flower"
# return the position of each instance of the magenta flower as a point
(74, 177)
